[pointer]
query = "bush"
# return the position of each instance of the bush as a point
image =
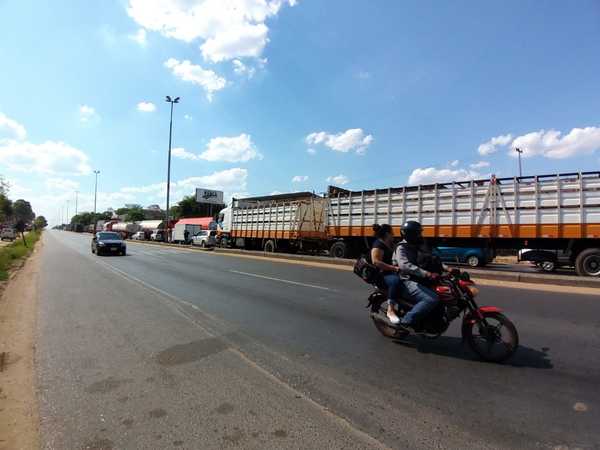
(15, 251)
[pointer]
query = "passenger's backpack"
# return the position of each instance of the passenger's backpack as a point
(366, 270)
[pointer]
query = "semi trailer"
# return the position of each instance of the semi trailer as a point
(550, 214)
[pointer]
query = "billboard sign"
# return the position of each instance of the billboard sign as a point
(209, 196)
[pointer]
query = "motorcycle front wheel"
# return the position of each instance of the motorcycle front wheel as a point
(495, 342)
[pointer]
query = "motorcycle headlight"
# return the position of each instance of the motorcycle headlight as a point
(473, 290)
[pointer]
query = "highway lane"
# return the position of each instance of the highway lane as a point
(307, 326)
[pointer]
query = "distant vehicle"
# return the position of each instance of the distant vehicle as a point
(546, 260)
(108, 243)
(139, 236)
(157, 235)
(474, 257)
(8, 234)
(205, 238)
(193, 225)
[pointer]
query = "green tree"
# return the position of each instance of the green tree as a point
(40, 222)
(22, 211)
(134, 214)
(6, 209)
(187, 207)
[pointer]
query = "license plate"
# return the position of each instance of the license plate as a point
(114, 249)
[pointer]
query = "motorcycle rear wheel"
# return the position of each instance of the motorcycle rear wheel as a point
(501, 335)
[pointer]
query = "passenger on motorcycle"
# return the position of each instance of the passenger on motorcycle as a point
(406, 257)
(381, 256)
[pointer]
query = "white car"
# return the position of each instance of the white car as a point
(139, 236)
(205, 238)
(8, 233)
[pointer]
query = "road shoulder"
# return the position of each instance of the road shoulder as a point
(18, 404)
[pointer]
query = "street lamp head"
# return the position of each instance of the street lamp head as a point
(168, 99)
(176, 100)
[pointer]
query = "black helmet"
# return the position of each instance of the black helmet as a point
(412, 231)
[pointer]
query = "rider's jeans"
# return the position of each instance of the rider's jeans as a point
(394, 286)
(424, 297)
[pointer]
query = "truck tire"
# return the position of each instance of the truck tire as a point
(338, 249)
(587, 263)
(269, 246)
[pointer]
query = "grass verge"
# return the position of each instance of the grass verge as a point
(16, 251)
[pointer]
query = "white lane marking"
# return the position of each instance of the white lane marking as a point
(281, 281)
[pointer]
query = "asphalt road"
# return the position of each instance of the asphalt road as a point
(169, 348)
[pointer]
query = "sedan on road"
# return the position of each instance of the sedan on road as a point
(108, 243)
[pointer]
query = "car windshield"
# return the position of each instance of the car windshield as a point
(106, 236)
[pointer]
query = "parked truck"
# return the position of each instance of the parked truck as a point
(193, 225)
(558, 212)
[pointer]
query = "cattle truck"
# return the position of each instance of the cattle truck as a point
(556, 215)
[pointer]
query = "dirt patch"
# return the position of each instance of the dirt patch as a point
(19, 422)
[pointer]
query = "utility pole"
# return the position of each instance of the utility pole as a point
(76, 195)
(172, 102)
(68, 212)
(519, 152)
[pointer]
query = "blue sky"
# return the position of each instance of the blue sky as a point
(382, 93)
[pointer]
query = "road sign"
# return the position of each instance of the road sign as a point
(209, 196)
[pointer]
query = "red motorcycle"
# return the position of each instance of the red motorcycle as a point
(490, 334)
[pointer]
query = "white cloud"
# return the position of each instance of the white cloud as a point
(205, 78)
(146, 107)
(187, 117)
(182, 153)
(430, 175)
(299, 178)
(550, 143)
(140, 37)
(11, 129)
(479, 165)
(228, 149)
(61, 184)
(230, 181)
(86, 113)
(50, 157)
(491, 146)
(242, 69)
(454, 163)
(363, 75)
(352, 139)
(339, 180)
(228, 29)
(311, 151)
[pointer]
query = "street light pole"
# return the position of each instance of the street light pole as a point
(519, 152)
(172, 102)
(76, 195)
(68, 212)
(96, 172)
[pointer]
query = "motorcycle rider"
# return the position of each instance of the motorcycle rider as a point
(382, 252)
(406, 257)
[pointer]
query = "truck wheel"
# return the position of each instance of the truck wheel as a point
(269, 246)
(339, 249)
(587, 263)
(473, 261)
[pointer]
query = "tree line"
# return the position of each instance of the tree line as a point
(17, 213)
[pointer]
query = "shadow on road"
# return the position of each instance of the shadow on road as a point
(454, 347)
